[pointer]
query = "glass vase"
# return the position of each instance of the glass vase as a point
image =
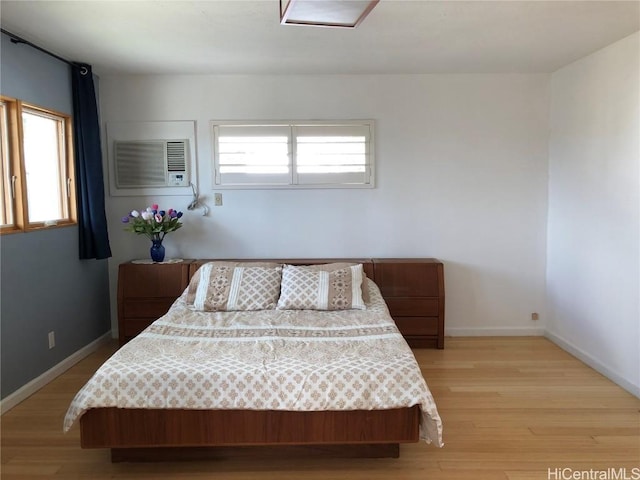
(157, 251)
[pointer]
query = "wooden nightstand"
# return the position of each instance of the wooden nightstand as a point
(414, 291)
(145, 293)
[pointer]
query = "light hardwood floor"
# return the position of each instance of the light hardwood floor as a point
(512, 408)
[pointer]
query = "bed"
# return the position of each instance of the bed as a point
(220, 370)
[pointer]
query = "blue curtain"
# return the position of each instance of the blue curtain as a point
(92, 221)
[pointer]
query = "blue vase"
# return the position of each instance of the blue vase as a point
(157, 251)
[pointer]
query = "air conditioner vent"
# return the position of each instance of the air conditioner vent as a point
(176, 157)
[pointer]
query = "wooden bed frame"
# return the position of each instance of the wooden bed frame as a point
(160, 434)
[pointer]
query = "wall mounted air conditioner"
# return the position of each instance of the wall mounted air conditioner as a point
(151, 163)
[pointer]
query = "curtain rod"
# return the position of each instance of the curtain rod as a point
(16, 39)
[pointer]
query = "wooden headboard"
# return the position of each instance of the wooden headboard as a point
(413, 289)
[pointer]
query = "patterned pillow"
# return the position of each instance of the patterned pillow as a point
(228, 286)
(321, 287)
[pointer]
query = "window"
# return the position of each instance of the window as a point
(37, 167)
(293, 155)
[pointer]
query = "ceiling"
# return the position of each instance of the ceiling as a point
(245, 36)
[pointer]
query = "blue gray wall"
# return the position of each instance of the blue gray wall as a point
(43, 285)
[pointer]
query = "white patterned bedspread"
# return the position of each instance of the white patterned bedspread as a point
(295, 360)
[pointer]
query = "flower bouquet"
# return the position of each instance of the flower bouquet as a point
(155, 224)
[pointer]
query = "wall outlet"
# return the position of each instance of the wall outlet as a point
(52, 340)
(217, 199)
(535, 316)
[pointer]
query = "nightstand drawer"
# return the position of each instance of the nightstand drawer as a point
(417, 325)
(413, 307)
(407, 279)
(135, 325)
(146, 308)
(154, 281)
(145, 293)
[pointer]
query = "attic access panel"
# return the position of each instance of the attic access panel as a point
(325, 13)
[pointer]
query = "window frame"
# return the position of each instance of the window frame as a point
(11, 165)
(7, 211)
(14, 171)
(293, 174)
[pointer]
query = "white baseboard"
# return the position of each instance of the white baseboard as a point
(494, 332)
(594, 363)
(37, 383)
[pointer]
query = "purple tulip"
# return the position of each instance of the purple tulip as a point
(179, 214)
(161, 213)
(125, 219)
(173, 214)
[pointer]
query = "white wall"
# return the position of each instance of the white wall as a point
(593, 241)
(461, 175)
